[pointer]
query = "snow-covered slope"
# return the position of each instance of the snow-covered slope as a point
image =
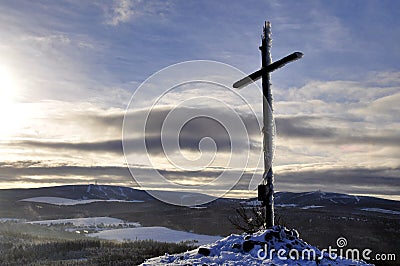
(381, 211)
(318, 198)
(69, 202)
(284, 247)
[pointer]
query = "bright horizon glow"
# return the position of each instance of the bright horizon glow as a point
(8, 108)
(8, 86)
(7, 98)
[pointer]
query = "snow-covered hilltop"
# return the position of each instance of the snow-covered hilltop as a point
(282, 246)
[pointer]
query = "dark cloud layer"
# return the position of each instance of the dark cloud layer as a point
(315, 129)
(295, 127)
(10, 171)
(300, 127)
(190, 135)
(112, 146)
(384, 181)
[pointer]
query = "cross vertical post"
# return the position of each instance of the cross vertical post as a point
(268, 176)
(266, 188)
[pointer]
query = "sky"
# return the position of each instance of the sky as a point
(69, 70)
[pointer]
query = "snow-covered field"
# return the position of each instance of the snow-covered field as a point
(311, 207)
(85, 222)
(381, 211)
(69, 202)
(249, 249)
(157, 233)
(116, 229)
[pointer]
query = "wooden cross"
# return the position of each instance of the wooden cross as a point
(266, 188)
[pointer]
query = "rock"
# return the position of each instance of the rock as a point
(282, 234)
(268, 236)
(204, 251)
(248, 245)
(275, 234)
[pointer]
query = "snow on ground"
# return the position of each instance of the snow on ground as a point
(286, 205)
(90, 221)
(311, 207)
(253, 203)
(68, 202)
(156, 233)
(284, 247)
(381, 211)
(14, 220)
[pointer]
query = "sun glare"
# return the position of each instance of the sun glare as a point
(8, 92)
(7, 86)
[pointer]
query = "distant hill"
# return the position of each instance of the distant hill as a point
(320, 199)
(103, 192)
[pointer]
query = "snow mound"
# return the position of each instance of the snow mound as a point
(283, 246)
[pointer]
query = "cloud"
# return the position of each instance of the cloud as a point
(338, 91)
(301, 128)
(50, 40)
(47, 171)
(199, 127)
(107, 126)
(112, 146)
(375, 181)
(39, 174)
(23, 171)
(338, 137)
(325, 131)
(341, 123)
(123, 11)
(378, 181)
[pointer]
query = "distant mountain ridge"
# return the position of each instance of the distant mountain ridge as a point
(83, 192)
(282, 199)
(315, 199)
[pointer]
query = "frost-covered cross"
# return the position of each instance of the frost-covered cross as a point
(266, 188)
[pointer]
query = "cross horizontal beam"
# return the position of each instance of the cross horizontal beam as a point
(272, 67)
